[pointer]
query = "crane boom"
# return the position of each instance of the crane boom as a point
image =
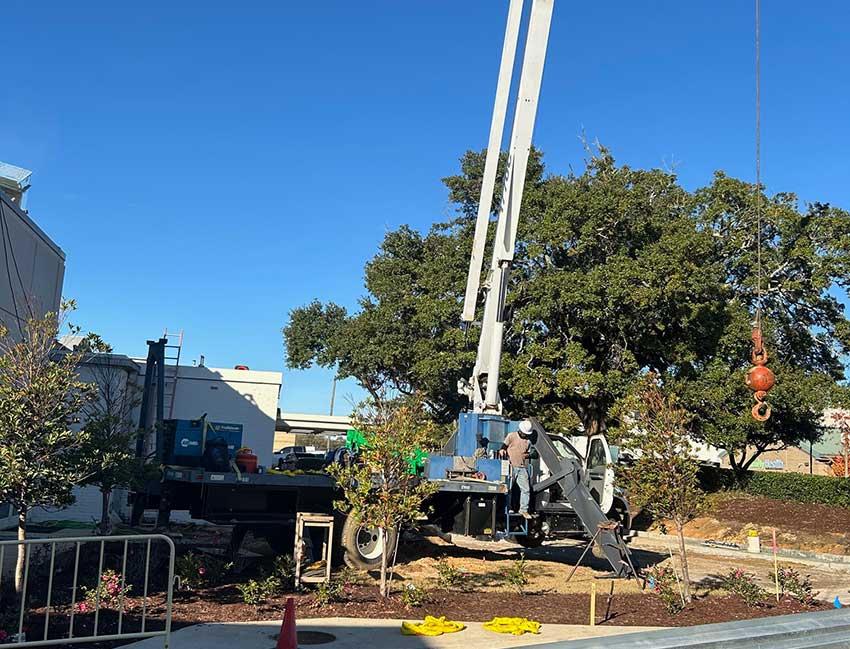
(483, 387)
(491, 162)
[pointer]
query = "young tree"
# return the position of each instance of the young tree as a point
(108, 447)
(40, 396)
(662, 477)
(381, 485)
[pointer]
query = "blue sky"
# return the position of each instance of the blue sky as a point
(211, 166)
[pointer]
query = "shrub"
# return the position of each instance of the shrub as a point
(516, 575)
(197, 570)
(8, 623)
(349, 577)
(329, 593)
(796, 586)
(449, 577)
(799, 487)
(662, 581)
(109, 593)
(414, 596)
(283, 568)
(743, 584)
(257, 592)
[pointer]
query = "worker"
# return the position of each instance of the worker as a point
(517, 449)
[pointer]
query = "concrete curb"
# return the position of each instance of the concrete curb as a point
(802, 630)
(830, 561)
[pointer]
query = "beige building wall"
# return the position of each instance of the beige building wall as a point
(282, 439)
(789, 460)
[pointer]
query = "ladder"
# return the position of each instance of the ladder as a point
(173, 345)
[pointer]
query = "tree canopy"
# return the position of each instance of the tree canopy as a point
(618, 272)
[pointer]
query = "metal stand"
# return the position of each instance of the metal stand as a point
(610, 527)
(303, 521)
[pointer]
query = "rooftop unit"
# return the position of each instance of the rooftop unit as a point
(15, 181)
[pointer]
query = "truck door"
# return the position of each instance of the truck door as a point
(600, 472)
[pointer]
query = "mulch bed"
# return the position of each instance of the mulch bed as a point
(223, 604)
(811, 518)
(548, 608)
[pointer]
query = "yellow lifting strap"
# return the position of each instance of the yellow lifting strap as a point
(512, 625)
(431, 626)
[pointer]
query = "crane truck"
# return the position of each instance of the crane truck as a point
(572, 488)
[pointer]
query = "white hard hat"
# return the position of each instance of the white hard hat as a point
(525, 427)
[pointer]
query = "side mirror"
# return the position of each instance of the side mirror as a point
(615, 454)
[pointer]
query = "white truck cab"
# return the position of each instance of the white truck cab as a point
(598, 461)
(597, 458)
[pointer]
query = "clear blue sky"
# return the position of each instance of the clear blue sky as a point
(211, 165)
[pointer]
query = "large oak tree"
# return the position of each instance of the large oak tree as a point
(618, 272)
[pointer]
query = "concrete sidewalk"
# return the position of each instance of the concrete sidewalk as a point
(356, 633)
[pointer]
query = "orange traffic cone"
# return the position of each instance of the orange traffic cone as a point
(288, 638)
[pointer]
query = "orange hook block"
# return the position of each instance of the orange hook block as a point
(760, 378)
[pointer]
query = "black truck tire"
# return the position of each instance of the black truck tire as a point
(363, 546)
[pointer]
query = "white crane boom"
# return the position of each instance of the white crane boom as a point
(483, 387)
(491, 162)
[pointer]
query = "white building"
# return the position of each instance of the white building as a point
(231, 396)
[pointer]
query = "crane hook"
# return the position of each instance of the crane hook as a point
(760, 378)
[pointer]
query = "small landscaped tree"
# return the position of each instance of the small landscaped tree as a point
(381, 486)
(41, 395)
(109, 444)
(662, 475)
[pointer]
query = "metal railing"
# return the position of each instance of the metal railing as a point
(74, 544)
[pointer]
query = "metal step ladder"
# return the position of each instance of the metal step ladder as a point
(173, 347)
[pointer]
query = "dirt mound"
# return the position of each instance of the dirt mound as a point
(799, 526)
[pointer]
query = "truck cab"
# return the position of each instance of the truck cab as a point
(597, 459)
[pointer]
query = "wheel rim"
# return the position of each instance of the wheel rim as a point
(370, 542)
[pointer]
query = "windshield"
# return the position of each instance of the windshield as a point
(564, 448)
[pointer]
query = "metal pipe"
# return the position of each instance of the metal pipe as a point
(97, 587)
(74, 591)
(49, 588)
(145, 595)
(123, 585)
(24, 590)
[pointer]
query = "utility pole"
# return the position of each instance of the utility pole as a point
(333, 396)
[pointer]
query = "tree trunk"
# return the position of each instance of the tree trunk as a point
(683, 557)
(105, 495)
(741, 466)
(22, 551)
(593, 420)
(384, 589)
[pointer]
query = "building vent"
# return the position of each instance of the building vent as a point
(15, 182)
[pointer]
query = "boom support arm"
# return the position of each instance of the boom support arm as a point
(483, 387)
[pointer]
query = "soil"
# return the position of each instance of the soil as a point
(799, 526)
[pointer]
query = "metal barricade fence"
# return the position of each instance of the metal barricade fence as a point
(74, 544)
